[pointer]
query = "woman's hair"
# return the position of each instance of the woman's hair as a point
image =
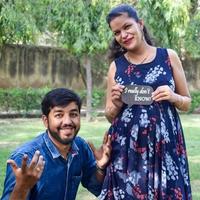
(59, 97)
(115, 49)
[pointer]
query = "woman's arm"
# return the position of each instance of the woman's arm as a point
(183, 99)
(113, 97)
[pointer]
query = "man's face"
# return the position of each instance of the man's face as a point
(63, 123)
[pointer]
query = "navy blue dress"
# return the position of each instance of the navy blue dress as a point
(149, 160)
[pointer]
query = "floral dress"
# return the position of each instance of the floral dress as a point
(149, 160)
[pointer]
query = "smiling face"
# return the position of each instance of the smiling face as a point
(63, 123)
(127, 32)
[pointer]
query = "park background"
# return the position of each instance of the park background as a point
(64, 43)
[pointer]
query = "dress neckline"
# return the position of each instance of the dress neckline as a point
(145, 63)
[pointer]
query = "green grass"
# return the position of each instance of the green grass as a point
(13, 132)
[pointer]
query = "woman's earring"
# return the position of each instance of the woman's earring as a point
(142, 32)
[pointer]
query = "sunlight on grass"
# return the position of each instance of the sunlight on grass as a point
(195, 189)
(13, 132)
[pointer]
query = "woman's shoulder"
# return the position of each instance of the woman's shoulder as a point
(174, 58)
(168, 50)
(121, 60)
(112, 67)
(172, 52)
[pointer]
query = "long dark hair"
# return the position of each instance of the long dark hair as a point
(115, 50)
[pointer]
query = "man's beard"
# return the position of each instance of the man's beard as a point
(62, 141)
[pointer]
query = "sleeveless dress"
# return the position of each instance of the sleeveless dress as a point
(149, 160)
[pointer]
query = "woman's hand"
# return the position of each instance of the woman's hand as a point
(164, 92)
(113, 95)
(116, 92)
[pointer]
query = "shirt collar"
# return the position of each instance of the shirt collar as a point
(54, 151)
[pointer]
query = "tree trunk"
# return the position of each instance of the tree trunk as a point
(82, 72)
(192, 71)
(87, 66)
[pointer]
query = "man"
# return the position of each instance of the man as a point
(55, 162)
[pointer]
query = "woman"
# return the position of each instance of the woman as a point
(149, 158)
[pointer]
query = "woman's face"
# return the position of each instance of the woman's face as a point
(127, 32)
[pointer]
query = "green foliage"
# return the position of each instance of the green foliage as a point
(14, 132)
(195, 101)
(81, 28)
(173, 24)
(192, 39)
(167, 20)
(80, 25)
(21, 100)
(40, 10)
(17, 25)
(100, 66)
(26, 100)
(98, 96)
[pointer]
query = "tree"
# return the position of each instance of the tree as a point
(16, 22)
(167, 20)
(192, 37)
(81, 28)
(175, 24)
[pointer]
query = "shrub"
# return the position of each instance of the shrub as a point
(25, 100)
(98, 96)
(195, 101)
(20, 99)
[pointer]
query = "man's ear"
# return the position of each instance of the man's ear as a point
(45, 120)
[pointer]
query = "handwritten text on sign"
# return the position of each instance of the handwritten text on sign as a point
(137, 95)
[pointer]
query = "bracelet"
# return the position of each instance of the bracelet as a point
(181, 102)
(100, 170)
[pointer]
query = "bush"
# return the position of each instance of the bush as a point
(195, 101)
(25, 100)
(98, 96)
(20, 99)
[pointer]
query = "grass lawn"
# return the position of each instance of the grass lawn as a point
(16, 131)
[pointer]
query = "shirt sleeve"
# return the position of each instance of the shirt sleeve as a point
(9, 183)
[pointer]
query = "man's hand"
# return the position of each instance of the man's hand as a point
(102, 154)
(27, 176)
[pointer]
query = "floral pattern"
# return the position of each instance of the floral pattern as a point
(149, 160)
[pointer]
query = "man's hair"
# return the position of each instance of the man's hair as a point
(59, 97)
